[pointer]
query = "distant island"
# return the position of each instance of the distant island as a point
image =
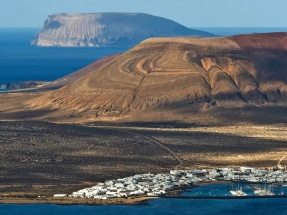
(107, 29)
(22, 85)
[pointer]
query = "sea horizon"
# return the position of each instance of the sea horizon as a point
(20, 61)
(229, 31)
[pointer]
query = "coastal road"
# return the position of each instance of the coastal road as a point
(279, 162)
(152, 140)
(172, 153)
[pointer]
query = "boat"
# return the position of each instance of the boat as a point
(237, 192)
(264, 191)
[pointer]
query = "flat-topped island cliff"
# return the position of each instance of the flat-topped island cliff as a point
(107, 29)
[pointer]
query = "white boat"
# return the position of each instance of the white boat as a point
(238, 192)
(266, 191)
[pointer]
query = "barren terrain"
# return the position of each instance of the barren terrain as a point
(35, 153)
(40, 158)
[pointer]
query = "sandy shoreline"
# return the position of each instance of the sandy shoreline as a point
(74, 201)
(90, 201)
(123, 201)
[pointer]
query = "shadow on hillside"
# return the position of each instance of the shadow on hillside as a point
(266, 115)
(24, 115)
(150, 124)
(110, 165)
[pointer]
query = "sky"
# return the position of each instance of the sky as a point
(191, 13)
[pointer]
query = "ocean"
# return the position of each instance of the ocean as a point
(161, 206)
(20, 62)
(222, 31)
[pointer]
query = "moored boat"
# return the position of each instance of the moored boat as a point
(238, 192)
(264, 191)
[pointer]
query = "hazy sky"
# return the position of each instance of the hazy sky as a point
(191, 13)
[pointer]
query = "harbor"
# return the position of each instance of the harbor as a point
(241, 181)
(222, 191)
(177, 187)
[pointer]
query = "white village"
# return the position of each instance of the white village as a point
(156, 185)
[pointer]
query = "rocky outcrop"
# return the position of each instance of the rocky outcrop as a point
(182, 76)
(107, 29)
(22, 85)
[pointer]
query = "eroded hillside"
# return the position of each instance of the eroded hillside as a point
(185, 75)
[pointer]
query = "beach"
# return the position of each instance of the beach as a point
(74, 201)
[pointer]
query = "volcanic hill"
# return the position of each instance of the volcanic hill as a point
(183, 79)
(107, 29)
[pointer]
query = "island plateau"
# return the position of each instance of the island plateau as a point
(107, 29)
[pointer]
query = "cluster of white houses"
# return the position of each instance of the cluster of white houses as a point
(159, 184)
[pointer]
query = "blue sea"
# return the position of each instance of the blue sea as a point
(20, 62)
(164, 206)
(221, 31)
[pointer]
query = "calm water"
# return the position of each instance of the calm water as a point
(223, 189)
(159, 207)
(167, 206)
(19, 61)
